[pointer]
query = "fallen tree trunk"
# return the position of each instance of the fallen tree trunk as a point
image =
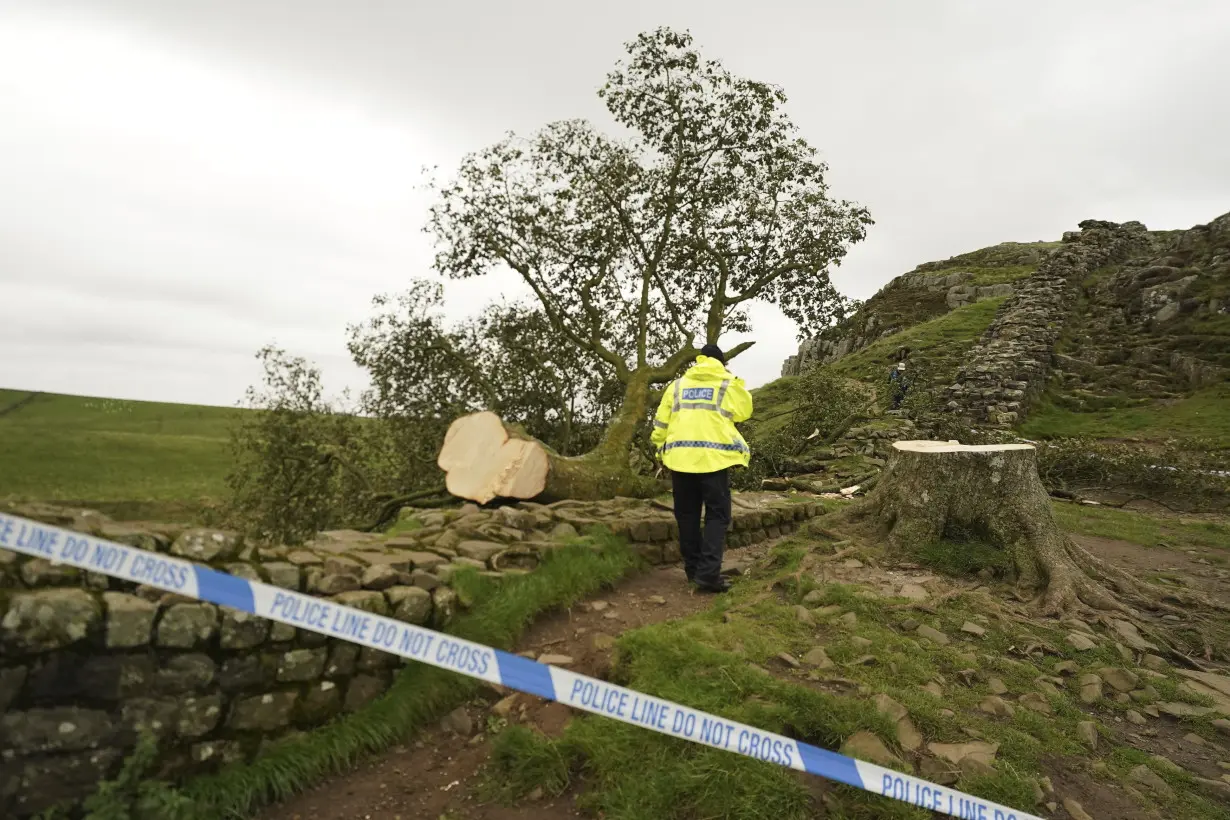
(991, 493)
(817, 462)
(779, 485)
(483, 459)
(805, 486)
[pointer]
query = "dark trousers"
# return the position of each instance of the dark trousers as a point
(702, 549)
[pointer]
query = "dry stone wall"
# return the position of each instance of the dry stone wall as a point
(1012, 361)
(88, 662)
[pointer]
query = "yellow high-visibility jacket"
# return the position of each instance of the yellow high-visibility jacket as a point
(694, 429)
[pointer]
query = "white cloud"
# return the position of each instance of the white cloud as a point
(156, 200)
(183, 182)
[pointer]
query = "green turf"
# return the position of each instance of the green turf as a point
(726, 661)
(1204, 414)
(72, 448)
(1139, 528)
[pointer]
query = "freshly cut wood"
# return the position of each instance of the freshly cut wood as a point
(991, 493)
(484, 459)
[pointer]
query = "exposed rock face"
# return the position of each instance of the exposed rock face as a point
(1154, 328)
(1012, 361)
(960, 296)
(87, 662)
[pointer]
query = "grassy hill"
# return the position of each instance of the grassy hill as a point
(1122, 372)
(1205, 414)
(123, 457)
(928, 292)
(940, 343)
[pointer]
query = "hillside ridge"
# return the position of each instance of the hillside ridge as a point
(931, 289)
(1111, 315)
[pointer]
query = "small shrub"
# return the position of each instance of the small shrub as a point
(294, 469)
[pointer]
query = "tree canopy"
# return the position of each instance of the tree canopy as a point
(505, 358)
(638, 248)
(304, 463)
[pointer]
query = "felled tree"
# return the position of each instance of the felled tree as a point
(302, 463)
(930, 490)
(556, 392)
(637, 250)
(426, 372)
(505, 358)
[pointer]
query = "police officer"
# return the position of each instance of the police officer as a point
(695, 434)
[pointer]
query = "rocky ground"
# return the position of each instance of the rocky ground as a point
(953, 679)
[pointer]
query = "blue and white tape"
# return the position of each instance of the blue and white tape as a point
(483, 662)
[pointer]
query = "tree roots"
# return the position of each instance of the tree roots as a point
(1076, 578)
(991, 494)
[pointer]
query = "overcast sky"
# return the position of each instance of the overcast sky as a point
(184, 181)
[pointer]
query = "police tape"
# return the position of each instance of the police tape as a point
(482, 662)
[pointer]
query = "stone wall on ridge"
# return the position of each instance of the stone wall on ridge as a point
(1012, 361)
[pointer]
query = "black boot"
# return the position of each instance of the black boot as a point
(713, 587)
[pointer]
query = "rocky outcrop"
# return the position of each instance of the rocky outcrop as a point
(1155, 327)
(962, 295)
(931, 294)
(1012, 361)
(87, 662)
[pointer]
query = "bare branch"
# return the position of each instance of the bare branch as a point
(742, 347)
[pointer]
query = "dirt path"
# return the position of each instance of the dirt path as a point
(434, 777)
(1192, 566)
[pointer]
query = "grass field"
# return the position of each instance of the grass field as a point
(110, 453)
(1204, 414)
(1141, 528)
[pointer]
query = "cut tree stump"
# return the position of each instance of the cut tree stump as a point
(484, 459)
(931, 490)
